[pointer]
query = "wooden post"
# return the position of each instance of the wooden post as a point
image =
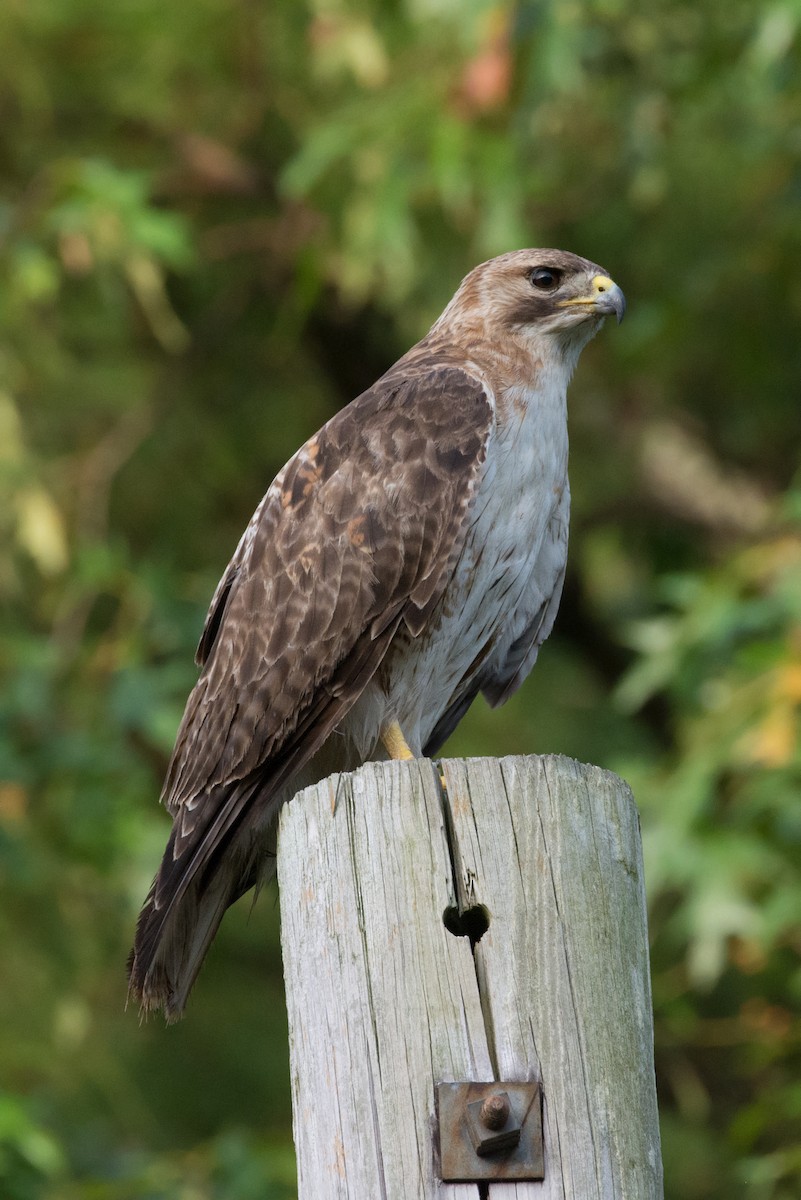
(384, 1002)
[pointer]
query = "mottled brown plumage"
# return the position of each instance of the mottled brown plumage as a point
(408, 556)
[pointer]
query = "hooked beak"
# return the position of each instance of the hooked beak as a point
(604, 298)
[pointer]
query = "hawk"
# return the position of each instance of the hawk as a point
(409, 556)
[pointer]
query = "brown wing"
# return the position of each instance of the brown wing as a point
(358, 533)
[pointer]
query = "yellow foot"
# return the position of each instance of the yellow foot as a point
(394, 741)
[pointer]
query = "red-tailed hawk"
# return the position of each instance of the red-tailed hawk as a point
(409, 556)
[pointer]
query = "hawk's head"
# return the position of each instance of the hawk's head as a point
(537, 292)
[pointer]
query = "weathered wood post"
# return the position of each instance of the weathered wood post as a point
(542, 859)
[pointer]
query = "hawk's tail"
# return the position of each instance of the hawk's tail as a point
(229, 849)
(169, 949)
(184, 907)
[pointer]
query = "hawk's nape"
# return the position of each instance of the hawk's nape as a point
(410, 555)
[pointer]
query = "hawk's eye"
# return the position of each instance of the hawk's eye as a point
(547, 279)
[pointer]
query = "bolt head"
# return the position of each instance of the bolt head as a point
(492, 1124)
(494, 1112)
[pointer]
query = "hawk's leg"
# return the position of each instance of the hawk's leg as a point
(394, 742)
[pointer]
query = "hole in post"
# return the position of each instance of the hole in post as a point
(471, 923)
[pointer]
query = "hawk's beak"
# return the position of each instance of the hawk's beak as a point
(604, 298)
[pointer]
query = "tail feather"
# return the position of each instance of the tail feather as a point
(227, 852)
(169, 952)
(184, 908)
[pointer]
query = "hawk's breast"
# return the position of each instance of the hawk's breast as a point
(511, 564)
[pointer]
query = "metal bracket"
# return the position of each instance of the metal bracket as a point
(490, 1131)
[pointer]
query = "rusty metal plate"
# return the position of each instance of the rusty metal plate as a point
(490, 1131)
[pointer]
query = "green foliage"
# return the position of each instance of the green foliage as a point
(723, 850)
(218, 223)
(29, 1156)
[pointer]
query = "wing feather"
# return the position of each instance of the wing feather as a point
(361, 530)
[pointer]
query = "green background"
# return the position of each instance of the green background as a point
(219, 221)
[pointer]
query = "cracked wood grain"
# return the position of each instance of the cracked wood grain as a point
(384, 1002)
